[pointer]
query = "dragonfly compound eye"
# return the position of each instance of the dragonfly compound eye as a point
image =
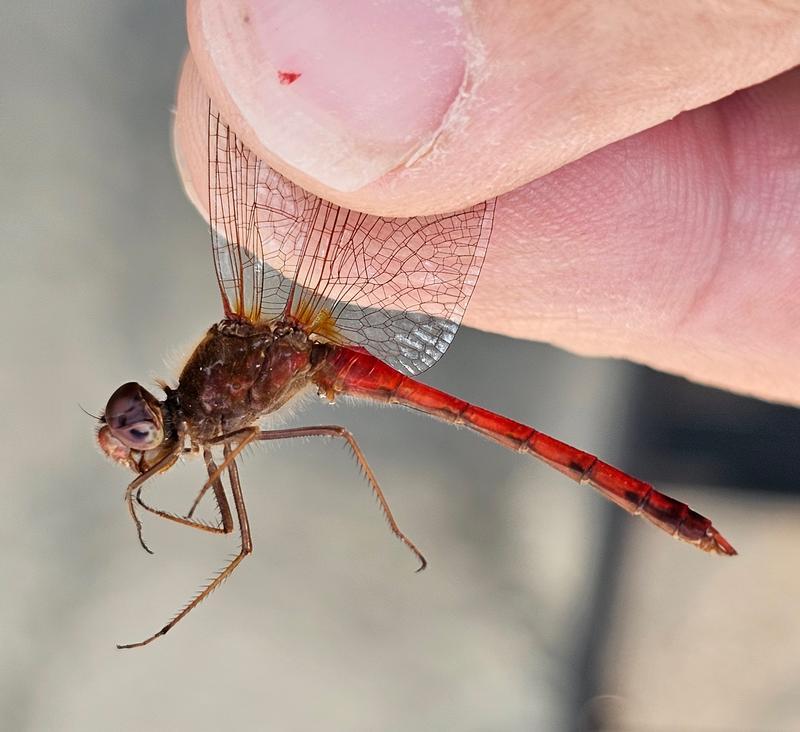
(133, 417)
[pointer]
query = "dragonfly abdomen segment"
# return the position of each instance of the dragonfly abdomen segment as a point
(629, 493)
(361, 375)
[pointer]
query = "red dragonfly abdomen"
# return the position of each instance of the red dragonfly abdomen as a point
(358, 374)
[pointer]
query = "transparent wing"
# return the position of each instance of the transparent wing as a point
(396, 286)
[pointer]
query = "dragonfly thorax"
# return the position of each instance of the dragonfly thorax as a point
(239, 372)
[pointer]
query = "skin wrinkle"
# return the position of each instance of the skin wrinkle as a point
(752, 226)
(716, 241)
(457, 113)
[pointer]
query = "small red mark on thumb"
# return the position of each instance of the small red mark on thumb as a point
(288, 77)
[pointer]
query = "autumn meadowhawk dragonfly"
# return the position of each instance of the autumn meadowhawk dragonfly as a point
(316, 296)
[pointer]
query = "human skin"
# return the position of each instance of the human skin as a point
(625, 226)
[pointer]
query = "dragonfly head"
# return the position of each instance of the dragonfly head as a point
(132, 427)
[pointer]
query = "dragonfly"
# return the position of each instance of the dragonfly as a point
(319, 297)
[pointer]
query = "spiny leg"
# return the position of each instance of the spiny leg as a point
(196, 502)
(246, 548)
(226, 520)
(214, 474)
(164, 464)
(341, 432)
(199, 497)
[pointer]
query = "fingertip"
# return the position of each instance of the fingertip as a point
(339, 93)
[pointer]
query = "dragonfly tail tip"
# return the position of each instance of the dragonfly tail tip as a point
(720, 544)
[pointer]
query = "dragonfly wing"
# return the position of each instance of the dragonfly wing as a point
(399, 287)
(251, 209)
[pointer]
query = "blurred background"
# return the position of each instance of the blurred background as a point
(544, 607)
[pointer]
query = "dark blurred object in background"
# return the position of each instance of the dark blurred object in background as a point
(681, 432)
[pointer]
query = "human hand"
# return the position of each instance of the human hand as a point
(677, 246)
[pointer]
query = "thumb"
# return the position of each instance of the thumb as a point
(420, 106)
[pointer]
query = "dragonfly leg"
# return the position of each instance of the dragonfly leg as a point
(164, 464)
(246, 544)
(342, 433)
(201, 493)
(219, 493)
(215, 482)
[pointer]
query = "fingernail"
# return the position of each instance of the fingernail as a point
(343, 92)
